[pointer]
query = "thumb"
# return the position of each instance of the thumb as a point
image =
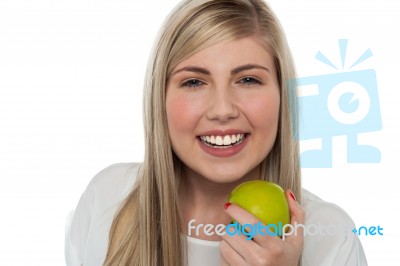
(296, 215)
(296, 210)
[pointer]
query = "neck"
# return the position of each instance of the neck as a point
(203, 200)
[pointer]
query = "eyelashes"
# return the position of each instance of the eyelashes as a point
(250, 81)
(245, 81)
(192, 83)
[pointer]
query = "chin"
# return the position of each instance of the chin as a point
(222, 172)
(225, 176)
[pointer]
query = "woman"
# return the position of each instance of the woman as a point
(219, 110)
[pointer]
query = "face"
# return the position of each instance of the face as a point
(222, 108)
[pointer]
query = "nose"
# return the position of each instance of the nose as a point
(222, 105)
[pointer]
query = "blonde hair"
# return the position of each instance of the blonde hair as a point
(147, 229)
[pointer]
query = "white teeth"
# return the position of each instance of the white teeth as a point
(226, 140)
(212, 139)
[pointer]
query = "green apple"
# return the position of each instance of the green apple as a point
(265, 200)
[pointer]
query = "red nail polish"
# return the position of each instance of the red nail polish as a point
(226, 205)
(292, 196)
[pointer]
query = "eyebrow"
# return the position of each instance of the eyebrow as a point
(248, 67)
(193, 69)
(234, 71)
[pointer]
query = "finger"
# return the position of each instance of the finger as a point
(296, 210)
(229, 256)
(250, 226)
(296, 230)
(223, 261)
(239, 242)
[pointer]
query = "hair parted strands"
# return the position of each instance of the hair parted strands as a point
(147, 229)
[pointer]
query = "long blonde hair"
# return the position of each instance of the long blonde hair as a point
(147, 229)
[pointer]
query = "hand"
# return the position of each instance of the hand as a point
(263, 250)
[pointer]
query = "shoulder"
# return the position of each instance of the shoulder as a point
(110, 186)
(115, 174)
(329, 239)
(322, 211)
(87, 233)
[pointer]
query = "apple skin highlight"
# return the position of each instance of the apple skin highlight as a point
(265, 200)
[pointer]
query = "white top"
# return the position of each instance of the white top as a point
(88, 227)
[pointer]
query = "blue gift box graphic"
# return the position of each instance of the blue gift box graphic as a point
(344, 103)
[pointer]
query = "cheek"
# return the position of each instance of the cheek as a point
(182, 114)
(263, 113)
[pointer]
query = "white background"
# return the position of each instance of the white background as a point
(71, 78)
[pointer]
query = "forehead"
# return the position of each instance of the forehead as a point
(248, 50)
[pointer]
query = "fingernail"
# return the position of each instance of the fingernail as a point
(226, 205)
(292, 196)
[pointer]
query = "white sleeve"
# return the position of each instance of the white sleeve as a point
(336, 244)
(351, 253)
(87, 228)
(77, 228)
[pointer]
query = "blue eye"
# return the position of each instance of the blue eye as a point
(249, 81)
(192, 83)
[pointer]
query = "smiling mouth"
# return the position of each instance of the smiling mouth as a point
(226, 141)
